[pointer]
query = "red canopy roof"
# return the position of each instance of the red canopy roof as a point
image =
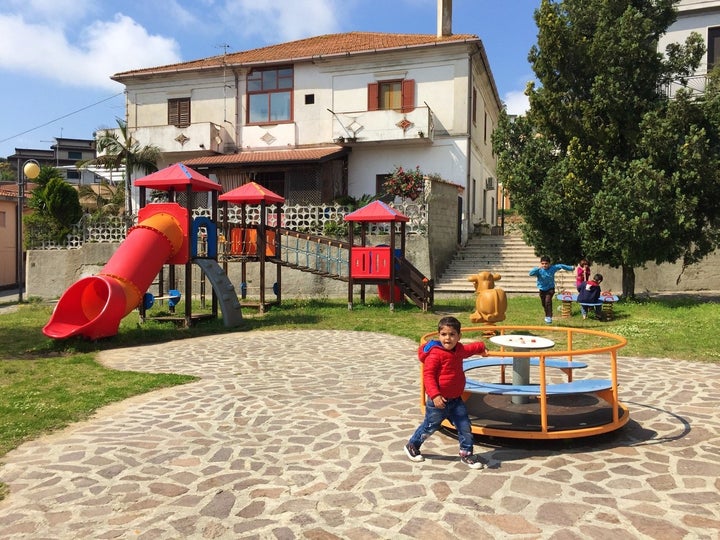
(376, 211)
(178, 177)
(251, 193)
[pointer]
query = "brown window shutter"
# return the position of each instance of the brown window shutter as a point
(373, 91)
(172, 112)
(408, 95)
(179, 112)
(184, 112)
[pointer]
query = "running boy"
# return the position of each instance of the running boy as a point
(444, 381)
(546, 283)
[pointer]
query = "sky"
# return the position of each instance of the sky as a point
(57, 56)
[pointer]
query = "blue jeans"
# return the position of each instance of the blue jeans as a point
(456, 412)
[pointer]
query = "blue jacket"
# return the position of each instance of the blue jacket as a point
(546, 278)
(589, 293)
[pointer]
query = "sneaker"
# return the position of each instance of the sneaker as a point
(473, 461)
(548, 320)
(413, 453)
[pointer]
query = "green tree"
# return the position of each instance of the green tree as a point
(7, 174)
(56, 208)
(117, 148)
(107, 199)
(604, 164)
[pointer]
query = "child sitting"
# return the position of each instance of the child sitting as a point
(590, 294)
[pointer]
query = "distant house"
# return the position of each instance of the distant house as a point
(703, 17)
(330, 116)
(63, 155)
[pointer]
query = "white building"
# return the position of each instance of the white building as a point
(331, 115)
(703, 17)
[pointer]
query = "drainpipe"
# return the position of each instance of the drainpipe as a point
(468, 179)
(238, 112)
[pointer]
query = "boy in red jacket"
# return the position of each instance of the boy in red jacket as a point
(444, 381)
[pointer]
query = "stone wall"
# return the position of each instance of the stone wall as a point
(51, 272)
(704, 276)
(443, 222)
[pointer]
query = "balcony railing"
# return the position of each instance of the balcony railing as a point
(197, 137)
(695, 84)
(385, 125)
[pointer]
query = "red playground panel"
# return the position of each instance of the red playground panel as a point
(370, 262)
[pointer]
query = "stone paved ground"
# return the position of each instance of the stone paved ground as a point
(299, 434)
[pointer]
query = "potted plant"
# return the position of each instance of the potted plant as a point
(405, 182)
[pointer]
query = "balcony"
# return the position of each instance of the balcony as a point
(695, 84)
(197, 137)
(415, 126)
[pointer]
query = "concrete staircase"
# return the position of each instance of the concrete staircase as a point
(506, 255)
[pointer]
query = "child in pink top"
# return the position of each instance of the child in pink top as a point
(582, 273)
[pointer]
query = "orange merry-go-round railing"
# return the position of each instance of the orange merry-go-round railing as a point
(558, 402)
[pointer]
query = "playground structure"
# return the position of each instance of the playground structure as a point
(168, 234)
(264, 240)
(558, 405)
(385, 266)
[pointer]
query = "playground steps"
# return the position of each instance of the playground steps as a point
(414, 285)
(506, 255)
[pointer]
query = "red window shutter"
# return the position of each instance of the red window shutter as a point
(373, 91)
(408, 95)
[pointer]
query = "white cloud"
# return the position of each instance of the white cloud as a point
(282, 20)
(53, 12)
(178, 14)
(102, 49)
(516, 103)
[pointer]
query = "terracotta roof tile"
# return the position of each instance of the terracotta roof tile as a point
(268, 156)
(320, 46)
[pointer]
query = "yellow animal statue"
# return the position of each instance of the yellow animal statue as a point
(490, 303)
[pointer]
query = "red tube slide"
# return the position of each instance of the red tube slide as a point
(94, 306)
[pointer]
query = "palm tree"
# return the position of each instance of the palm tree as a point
(117, 147)
(102, 198)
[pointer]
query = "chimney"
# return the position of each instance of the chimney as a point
(444, 18)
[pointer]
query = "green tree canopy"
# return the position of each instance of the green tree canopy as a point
(7, 174)
(56, 208)
(605, 164)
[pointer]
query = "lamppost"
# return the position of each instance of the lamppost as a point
(30, 171)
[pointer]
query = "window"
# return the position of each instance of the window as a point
(309, 99)
(74, 154)
(73, 175)
(392, 95)
(485, 128)
(270, 95)
(2, 220)
(179, 112)
(272, 180)
(380, 179)
(713, 49)
(474, 107)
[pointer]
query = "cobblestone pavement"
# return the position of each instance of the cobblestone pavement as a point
(299, 434)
